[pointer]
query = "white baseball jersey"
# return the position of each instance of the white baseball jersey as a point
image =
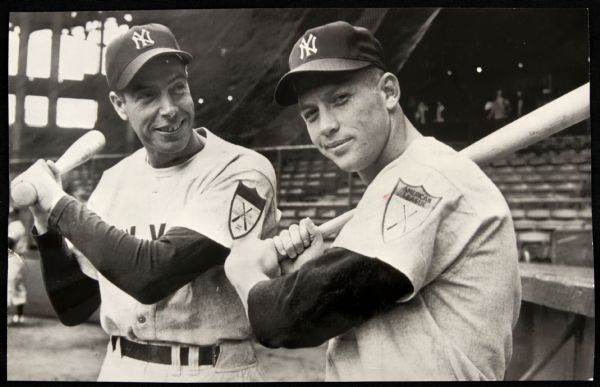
(16, 292)
(436, 217)
(223, 192)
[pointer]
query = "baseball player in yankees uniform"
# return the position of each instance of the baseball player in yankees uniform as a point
(422, 283)
(162, 224)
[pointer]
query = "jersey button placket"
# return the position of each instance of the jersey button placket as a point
(141, 319)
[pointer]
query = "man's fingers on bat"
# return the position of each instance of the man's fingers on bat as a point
(313, 230)
(53, 168)
(296, 238)
(279, 245)
(304, 234)
(287, 243)
(37, 171)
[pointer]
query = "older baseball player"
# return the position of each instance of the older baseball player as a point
(423, 282)
(205, 191)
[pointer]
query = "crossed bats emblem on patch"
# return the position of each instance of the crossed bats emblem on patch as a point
(245, 210)
(406, 209)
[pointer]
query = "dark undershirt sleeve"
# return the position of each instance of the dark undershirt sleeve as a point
(147, 270)
(325, 298)
(73, 295)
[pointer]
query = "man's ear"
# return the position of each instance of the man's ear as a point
(118, 104)
(391, 88)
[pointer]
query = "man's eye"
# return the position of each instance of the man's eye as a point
(310, 116)
(341, 99)
(145, 95)
(180, 88)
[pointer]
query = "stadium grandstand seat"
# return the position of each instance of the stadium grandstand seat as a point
(517, 213)
(538, 213)
(343, 190)
(542, 159)
(545, 168)
(580, 158)
(569, 187)
(499, 163)
(532, 177)
(310, 212)
(568, 167)
(564, 213)
(541, 188)
(509, 178)
(519, 187)
(503, 169)
(517, 159)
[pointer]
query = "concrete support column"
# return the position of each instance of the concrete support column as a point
(53, 85)
(20, 87)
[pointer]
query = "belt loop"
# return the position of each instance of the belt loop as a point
(175, 360)
(193, 359)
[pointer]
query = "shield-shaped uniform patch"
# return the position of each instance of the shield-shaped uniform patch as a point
(407, 207)
(246, 207)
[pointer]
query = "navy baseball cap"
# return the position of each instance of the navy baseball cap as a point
(127, 53)
(337, 46)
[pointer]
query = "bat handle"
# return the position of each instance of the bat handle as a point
(333, 226)
(329, 228)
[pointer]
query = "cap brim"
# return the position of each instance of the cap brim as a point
(285, 94)
(135, 65)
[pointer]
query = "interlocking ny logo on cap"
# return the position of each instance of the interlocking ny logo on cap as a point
(142, 39)
(307, 47)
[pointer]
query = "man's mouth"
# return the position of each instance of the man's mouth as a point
(335, 144)
(170, 128)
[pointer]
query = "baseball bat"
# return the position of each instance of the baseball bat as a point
(23, 192)
(543, 122)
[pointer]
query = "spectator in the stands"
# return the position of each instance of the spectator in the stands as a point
(499, 108)
(439, 112)
(421, 113)
(520, 103)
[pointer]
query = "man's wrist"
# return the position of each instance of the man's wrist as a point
(55, 199)
(243, 278)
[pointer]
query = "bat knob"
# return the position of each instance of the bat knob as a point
(23, 193)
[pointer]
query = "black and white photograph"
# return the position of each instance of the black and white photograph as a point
(299, 194)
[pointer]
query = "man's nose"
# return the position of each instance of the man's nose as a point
(329, 123)
(167, 106)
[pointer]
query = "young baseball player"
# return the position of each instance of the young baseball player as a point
(422, 283)
(138, 263)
